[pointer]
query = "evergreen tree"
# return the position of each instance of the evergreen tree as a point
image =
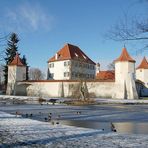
(10, 53)
(24, 61)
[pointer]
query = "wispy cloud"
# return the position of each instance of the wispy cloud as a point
(26, 17)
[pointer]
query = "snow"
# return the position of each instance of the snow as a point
(106, 100)
(18, 132)
(98, 100)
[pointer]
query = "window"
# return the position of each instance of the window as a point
(91, 66)
(76, 75)
(85, 65)
(80, 64)
(66, 74)
(66, 63)
(73, 74)
(88, 66)
(76, 64)
(51, 65)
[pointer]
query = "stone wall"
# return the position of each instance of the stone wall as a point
(65, 88)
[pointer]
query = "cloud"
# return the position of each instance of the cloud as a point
(26, 17)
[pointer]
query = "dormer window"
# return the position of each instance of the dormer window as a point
(76, 55)
(57, 56)
(84, 56)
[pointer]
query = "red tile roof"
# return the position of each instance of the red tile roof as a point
(143, 64)
(106, 75)
(16, 61)
(69, 52)
(124, 56)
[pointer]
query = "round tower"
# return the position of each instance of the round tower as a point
(16, 72)
(125, 76)
(142, 72)
(123, 66)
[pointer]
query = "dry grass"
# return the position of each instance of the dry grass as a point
(41, 100)
(80, 102)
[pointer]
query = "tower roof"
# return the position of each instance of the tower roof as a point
(125, 56)
(17, 61)
(143, 64)
(69, 52)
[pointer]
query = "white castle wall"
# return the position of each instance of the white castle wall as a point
(66, 89)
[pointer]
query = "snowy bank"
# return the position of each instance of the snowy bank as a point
(122, 101)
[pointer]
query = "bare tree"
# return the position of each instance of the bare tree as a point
(135, 29)
(36, 74)
(111, 66)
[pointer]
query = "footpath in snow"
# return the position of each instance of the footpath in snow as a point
(22, 132)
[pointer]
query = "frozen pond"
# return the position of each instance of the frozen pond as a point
(125, 118)
(121, 127)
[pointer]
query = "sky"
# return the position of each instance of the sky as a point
(45, 26)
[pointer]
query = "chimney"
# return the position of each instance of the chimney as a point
(56, 56)
(97, 68)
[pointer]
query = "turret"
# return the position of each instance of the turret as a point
(125, 76)
(142, 72)
(123, 66)
(16, 72)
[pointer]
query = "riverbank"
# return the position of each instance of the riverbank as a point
(33, 100)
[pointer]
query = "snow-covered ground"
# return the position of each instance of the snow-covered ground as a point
(124, 101)
(23, 132)
(97, 100)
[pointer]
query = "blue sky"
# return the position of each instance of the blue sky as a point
(45, 26)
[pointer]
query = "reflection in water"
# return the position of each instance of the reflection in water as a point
(132, 127)
(120, 127)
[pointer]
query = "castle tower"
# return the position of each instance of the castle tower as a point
(142, 72)
(125, 76)
(16, 72)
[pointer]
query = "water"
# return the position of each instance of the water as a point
(121, 127)
(125, 118)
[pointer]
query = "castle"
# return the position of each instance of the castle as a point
(70, 66)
